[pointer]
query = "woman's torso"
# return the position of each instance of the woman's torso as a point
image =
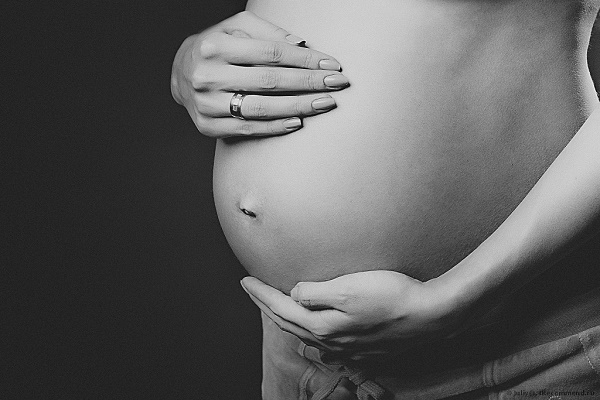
(455, 110)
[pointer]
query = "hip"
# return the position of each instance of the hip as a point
(558, 352)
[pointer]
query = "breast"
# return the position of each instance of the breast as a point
(411, 172)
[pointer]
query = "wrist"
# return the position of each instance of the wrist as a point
(474, 288)
(458, 286)
(452, 302)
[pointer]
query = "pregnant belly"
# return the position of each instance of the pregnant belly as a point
(410, 173)
(324, 202)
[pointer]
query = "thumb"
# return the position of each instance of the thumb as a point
(250, 25)
(318, 295)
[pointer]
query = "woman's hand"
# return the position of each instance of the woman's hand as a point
(245, 54)
(361, 315)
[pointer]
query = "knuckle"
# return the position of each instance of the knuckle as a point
(308, 59)
(346, 295)
(273, 52)
(274, 128)
(202, 105)
(312, 81)
(209, 46)
(299, 108)
(280, 32)
(202, 80)
(257, 109)
(244, 128)
(269, 80)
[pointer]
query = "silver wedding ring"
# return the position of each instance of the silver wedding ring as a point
(235, 105)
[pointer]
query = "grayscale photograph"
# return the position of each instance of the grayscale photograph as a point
(301, 200)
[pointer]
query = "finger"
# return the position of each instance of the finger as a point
(320, 295)
(268, 79)
(278, 302)
(259, 28)
(221, 128)
(321, 325)
(287, 326)
(244, 51)
(265, 107)
(283, 324)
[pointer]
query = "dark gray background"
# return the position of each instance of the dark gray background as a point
(117, 281)
(120, 283)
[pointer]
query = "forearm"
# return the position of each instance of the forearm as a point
(557, 214)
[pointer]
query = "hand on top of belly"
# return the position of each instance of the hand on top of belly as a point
(361, 315)
(246, 54)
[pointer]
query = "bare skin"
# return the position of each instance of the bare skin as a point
(365, 311)
(243, 54)
(380, 312)
(433, 145)
(427, 154)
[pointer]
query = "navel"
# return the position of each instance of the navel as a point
(249, 213)
(249, 206)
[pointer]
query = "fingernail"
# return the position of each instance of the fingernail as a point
(294, 293)
(336, 81)
(330, 65)
(292, 123)
(324, 103)
(295, 40)
(244, 287)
